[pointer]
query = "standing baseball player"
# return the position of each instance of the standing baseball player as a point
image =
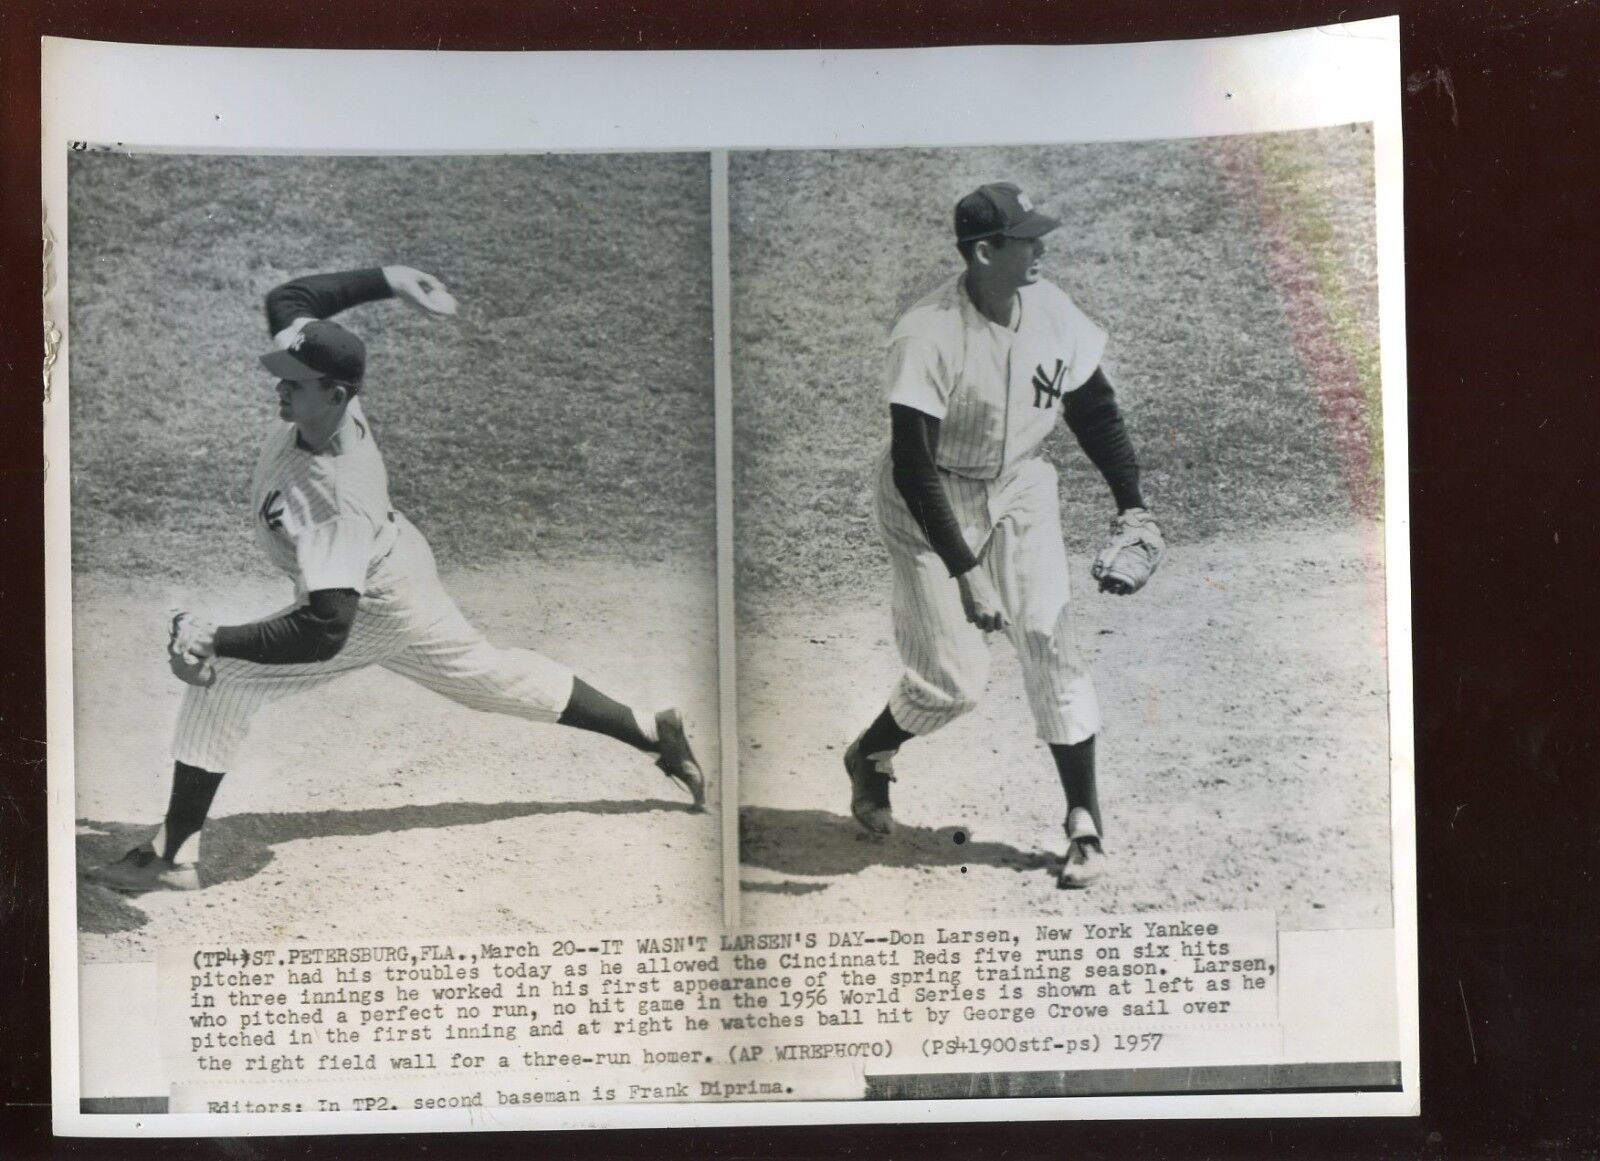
(366, 588)
(978, 372)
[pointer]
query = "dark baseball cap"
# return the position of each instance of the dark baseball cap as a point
(1000, 209)
(320, 349)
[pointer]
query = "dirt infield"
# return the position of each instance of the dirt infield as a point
(378, 809)
(1243, 756)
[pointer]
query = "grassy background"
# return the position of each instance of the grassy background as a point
(567, 411)
(1237, 278)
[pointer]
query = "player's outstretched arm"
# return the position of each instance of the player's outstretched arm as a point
(319, 296)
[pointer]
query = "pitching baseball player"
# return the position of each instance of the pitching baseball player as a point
(366, 588)
(979, 370)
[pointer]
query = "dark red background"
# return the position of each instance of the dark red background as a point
(1501, 107)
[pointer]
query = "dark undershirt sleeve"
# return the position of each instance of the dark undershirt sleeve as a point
(1092, 413)
(913, 446)
(315, 631)
(324, 295)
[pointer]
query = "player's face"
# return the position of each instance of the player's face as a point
(1016, 261)
(307, 402)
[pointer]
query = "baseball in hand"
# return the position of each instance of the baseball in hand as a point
(421, 290)
(435, 299)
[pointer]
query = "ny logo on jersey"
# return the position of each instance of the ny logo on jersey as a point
(1047, 385)
(272, 510)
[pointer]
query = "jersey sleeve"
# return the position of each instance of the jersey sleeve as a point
(335, 553)
(919, 376)
(1084, 338)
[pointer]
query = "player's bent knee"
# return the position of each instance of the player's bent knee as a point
(921, 705)
(960, 703)
(949, 704)
(1042, 640)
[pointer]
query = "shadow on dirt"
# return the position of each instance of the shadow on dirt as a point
(240, 846)
(787, 887)
(814, 842)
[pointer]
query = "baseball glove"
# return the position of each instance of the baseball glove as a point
(187, 635)
(1130, 557)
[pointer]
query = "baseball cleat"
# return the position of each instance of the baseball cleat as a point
(677, 761)
(141, 870)
(1085, 860)
(870, 775)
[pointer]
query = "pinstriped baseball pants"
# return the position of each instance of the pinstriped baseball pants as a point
(1016, 522)
(406, 623)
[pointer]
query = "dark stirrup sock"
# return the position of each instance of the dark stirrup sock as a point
(1075, 764)
(192, 792)
(589, 709)
(884, 735)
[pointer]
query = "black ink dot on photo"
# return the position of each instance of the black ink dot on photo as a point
(960, 837)
(963, 870)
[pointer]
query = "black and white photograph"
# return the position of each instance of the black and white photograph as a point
(393, 546)
(1061, 531)
(727, 579)
(641, 610)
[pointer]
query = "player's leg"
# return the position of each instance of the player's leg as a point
(869, 763)
(1030, 568)
(1084, 861)
(945, 659)
(946, 662)
(444, 652)
(519, 682)
(659, 732)
(212, 723)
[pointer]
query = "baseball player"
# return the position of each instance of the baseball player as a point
(366, 588)
(979, 370)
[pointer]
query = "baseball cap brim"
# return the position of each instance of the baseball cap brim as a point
(286, 366)
(1035, 225)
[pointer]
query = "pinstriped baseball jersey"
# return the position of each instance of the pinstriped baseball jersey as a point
(995, 389)
(996, 392)
(324, 518)
(406, 623)
(1015, 526)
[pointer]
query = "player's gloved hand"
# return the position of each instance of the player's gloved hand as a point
(1130, 557)
(980, 600)
(191, 643)
(416, 288)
